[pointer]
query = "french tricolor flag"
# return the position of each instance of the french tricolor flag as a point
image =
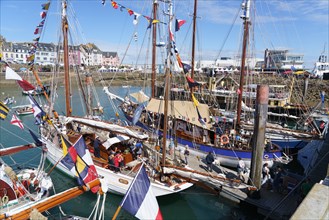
(178, 24)
(140, 200)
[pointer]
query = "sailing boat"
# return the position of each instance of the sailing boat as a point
(109, 137)
(19, 189)
(190, 125)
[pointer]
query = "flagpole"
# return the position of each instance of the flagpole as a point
(116, 212)
(51, 170)
(124, 198)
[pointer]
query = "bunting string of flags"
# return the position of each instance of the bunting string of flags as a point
(178, 24)
(131, 12)
(38, 31)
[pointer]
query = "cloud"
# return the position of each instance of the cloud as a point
(218, 13)
(316, 11)
(223, 12)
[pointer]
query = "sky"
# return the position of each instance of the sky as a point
(301, 26)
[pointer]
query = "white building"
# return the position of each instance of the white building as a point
(46, 54)
(91, 55)
(15, 52)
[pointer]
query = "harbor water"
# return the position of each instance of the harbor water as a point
(194, 203)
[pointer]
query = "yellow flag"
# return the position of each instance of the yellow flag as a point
(196, 103)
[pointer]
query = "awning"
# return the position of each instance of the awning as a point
(109, 142)
(184, 110)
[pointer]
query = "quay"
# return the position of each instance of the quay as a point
(271, 204)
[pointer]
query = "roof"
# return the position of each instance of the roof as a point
(109, 54)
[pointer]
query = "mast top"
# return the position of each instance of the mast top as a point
(246, 10)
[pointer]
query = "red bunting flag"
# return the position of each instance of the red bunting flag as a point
(130, 12)
(38, 30)
(115, 5)
(43, 14)
(25, 85)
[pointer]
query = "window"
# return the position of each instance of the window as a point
(45, 58)
(16, 55)
(21, 55)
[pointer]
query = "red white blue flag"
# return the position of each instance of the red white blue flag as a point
(140, 200)
(179, 23)
(37, 110)
(77, 159)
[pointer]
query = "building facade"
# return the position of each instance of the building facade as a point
(283, 60)
(51, 54)
(110, 59)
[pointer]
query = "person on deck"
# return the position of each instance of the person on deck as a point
(241, 168)
(116, 162)
(209, 160)
(186, 154)
(97, 151)
(139, 149)
(266, 173)
(121, 160)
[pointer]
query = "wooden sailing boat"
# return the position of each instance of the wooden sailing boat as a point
(192, 126)
(18, 190)
(24, 211)
(110, 135)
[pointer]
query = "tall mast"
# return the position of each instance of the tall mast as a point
(166, 93)
(245, 17)
(193, 38)
(155, 6)
(65, 27)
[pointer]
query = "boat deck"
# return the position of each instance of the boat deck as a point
(272, 204)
